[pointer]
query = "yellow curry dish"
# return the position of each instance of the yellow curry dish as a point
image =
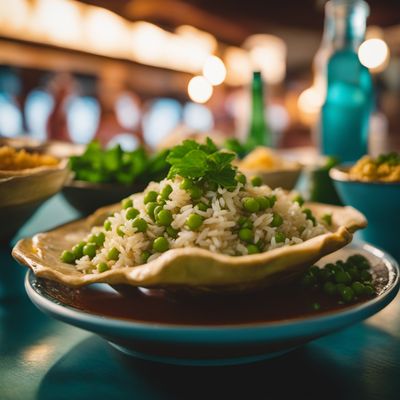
(17, 160)
(384, 168)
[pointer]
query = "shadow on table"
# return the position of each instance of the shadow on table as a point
(321, 370)
(21, 323)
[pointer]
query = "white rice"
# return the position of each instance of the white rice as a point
(218, 233)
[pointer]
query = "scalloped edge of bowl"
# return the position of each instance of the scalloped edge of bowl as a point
(189, 267)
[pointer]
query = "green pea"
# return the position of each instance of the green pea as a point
(358, 288)
(280, 237)
(92, 239)
(365, 276)
(166, 191)
(102, 267)
(299, 199)
(157, 210)
(339, 288)
(250, 204)
(256, 181)
(161, 201)
(272, 200)
(145, 256)
(119, 231)
(150, 197)
(358, 260)
(342, 277)
(263, 202)
(113, 254)
(195, 192)
(277, 220)
(172, 232)
(252, 249)
(99, 239)
(164, 217)
(67, 257)
(327, 218)
(89, 250)
(107, 225)
(132, 213)
(314, 270)
(194, 221)
(126, 203)
(160, 244)
(353, 272)
(245, 222)
(330, 267)
(77, 250)
(310, 216)
(308, 280)
(150, 207)
(140, 224)
(246, 235)
(241, 178)
(368, 290)
(329, 288)
(186, 184)
(324, 275)
(347, 294)
(202, 206)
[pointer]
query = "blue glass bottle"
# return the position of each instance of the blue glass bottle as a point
(349, 97)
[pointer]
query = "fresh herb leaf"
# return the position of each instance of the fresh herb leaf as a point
(202, 162)
(115, 165)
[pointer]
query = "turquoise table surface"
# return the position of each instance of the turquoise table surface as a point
(41, 358)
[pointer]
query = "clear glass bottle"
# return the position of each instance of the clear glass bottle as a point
(259, 133)
(349, 97)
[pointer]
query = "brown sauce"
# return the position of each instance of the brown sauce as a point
(283, 303)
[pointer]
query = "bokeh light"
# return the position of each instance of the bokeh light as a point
(373, 53)
(83, 114)
(198, 117)
(127, 141)
(10, 117)
(163, 116)
(199, 89)
(38, 106)
(214, 70)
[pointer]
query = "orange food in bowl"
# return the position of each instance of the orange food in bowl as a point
(16, 160)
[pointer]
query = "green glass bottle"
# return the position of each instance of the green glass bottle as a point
(259, 132)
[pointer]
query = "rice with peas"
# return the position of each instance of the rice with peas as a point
(225, 225)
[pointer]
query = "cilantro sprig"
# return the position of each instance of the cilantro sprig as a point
(202, 162)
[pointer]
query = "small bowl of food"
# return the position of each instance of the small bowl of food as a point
(27, 179)
(372, 185)
(105, 176)
(274, 170)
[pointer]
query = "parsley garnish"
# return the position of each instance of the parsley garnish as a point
(202, 162)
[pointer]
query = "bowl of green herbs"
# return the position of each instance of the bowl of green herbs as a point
(105, 176)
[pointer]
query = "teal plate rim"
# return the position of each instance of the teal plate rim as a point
(283, 329)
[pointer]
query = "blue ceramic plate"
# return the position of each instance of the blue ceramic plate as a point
(176, 331)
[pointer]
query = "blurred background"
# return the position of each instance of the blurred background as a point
(127, 71)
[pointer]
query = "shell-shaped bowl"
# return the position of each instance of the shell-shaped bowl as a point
(191, 269)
